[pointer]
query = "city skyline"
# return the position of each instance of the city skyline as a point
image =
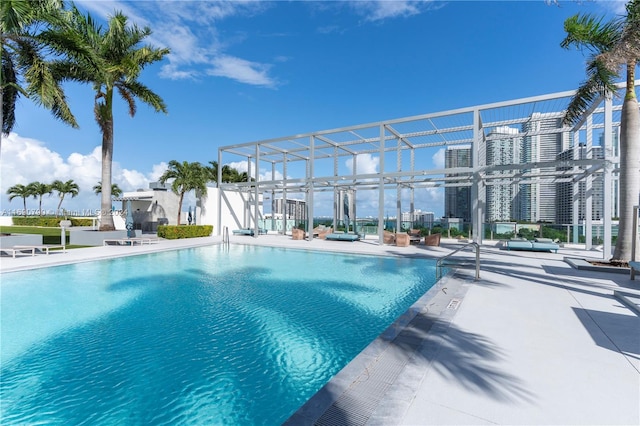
(243, 72)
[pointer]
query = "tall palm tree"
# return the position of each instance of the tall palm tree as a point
(21, 191)
(115, 189)
(614, 46)
(186, 177)
(38, 190)
(29, 40)
(64, 188)
(121, 60)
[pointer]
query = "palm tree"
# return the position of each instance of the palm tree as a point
(186, 177)
(229, 174)
(28, 40)
(120, 62)
(38, 190)
(21, 191)
(64, 188)
(614, 45)
(115, 189)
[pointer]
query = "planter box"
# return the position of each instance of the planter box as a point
(9, 241)
(93, 238)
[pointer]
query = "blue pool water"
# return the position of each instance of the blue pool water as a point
(212, 335)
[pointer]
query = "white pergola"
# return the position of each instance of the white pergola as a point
(318, 161)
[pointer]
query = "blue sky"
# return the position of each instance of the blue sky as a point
(245, 71)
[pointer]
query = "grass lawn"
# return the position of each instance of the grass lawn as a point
(49, 235)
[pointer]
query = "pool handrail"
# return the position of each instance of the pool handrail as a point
(475, 245)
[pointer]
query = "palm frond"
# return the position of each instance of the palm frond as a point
(128, 97)
(600, 83)
(11, 91)
(591, 33)
(146, 95)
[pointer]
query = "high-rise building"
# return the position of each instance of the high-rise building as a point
(542, 142)
(419, 218)
(293, 209)
(565, 190)
(457, 200)
(503, 148)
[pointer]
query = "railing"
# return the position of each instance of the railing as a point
(439, 263)
(225, 235)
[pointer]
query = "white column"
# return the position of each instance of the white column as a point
(588, 210)
(381, 189)
(310, 171)
(607, 177)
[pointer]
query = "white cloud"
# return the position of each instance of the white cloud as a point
(616, 6)
(438, 158)
(385, 9)
(24, 160)
(366, 164)
(241, 70)
(189, 30)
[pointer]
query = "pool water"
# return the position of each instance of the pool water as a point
(211, 335)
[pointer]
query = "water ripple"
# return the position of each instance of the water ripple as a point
(244, 342)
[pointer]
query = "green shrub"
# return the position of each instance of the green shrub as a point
(172, 232)
(48, 221)
(81, 222)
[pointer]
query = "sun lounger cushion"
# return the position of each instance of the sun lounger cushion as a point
(531, 245)
(243, 232)
(341, 236)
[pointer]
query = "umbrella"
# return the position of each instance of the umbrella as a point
(129, 222)
(346, 212)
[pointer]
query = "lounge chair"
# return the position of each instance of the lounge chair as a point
(124, 241)
(402, 239)
(388, 237)
(44, 248)
(18, 250)
(249, 231)
(433, 240)
(298, 234)
(243, 232)
(322, 232)
(536, 245)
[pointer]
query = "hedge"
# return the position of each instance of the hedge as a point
(51, 222)
(172, 232)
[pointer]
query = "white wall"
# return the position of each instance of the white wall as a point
(235, 215)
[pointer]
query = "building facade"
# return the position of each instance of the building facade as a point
(542, 142)
(503, 147)
(457, 199)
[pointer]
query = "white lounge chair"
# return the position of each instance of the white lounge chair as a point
(43, 247)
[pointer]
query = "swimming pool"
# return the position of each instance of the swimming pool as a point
(211, 335)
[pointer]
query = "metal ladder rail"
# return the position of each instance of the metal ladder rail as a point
(225, 235)
(440, 260)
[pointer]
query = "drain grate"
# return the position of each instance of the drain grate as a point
(453, 304)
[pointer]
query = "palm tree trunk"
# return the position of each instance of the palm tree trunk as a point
(24, 202)
(180, 207)
(106, 215)
(40, 206)
(59, 204)
(629, 167)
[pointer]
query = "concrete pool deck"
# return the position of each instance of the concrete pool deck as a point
(534, 341)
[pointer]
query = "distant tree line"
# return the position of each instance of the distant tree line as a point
(184, 177)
